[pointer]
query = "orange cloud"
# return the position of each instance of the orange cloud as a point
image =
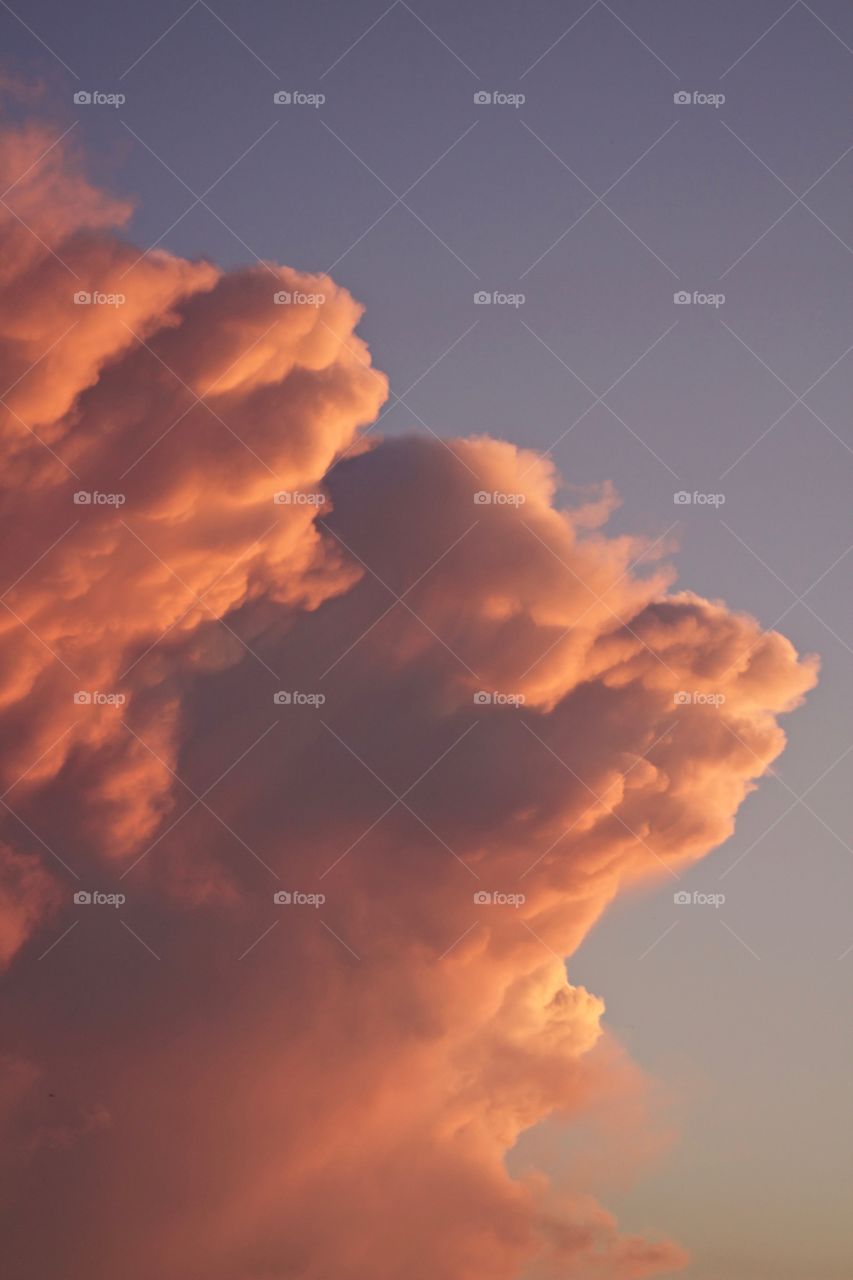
(511, 707)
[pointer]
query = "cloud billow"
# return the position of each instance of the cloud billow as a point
(482, 698)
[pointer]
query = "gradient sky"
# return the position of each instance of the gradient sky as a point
(597, 199)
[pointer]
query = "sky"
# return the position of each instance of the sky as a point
(646, 459)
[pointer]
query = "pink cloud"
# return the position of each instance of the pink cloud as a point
(307, 1090)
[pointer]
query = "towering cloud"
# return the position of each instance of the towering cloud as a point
(442, 731)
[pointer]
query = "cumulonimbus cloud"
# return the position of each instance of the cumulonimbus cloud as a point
(446, 729)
